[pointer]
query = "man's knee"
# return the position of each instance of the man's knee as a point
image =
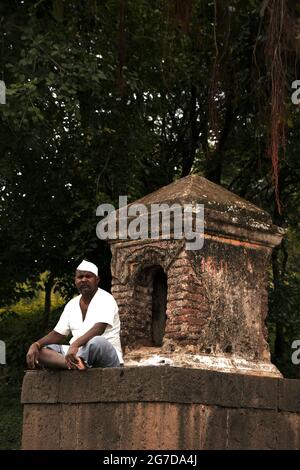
(97, 342)
(101, 353)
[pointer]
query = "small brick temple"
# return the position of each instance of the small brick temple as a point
(197, 371)
(202, 308)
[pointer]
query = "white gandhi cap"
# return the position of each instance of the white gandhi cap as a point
(87, 266)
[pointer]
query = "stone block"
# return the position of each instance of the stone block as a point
(41, 385)
(289, 395)
(249, 429)
(243, 391)
(288, 431)
(41, 424)
(156, 407)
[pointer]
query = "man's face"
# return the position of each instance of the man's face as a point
(86, 282)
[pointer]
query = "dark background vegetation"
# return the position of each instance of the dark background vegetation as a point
(120, 97)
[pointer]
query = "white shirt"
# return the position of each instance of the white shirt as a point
(102, 309)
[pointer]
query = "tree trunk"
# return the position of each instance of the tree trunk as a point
(277, 279)
(214, 161)
(48, 290)
(189, 158)
(279, 342)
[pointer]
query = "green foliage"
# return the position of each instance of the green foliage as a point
(284, 305)
(11, 414)
(20, 326)
(103, 102)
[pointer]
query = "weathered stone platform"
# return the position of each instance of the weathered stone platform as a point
(159, 407)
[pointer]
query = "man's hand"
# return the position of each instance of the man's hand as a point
(71, 358)
(32, 356)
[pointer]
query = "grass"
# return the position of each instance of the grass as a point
(10, 413)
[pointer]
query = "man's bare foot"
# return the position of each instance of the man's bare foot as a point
(80, 364)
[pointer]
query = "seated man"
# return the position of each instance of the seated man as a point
(93, 320)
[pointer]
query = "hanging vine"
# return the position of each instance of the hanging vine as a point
(278, 40)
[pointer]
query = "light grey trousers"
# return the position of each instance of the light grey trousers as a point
(97, 352)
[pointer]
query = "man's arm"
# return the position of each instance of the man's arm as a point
(96, 330)
(33, 351)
